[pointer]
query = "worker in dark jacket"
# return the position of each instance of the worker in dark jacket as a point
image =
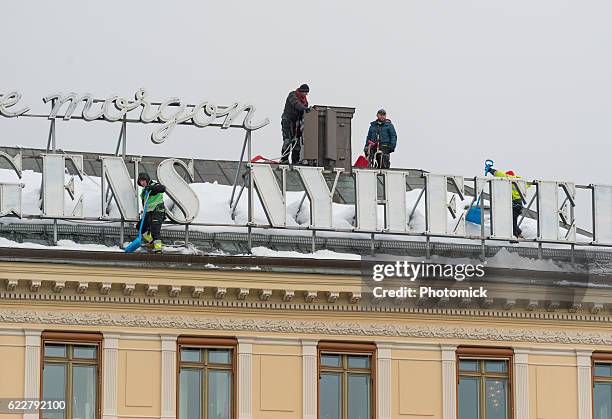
(292, 124)
(155, 211)
(381, 136)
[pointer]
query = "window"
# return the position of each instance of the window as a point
(484, 383)
(206, 378)
(346, 380)
(71, 372)
(602, 386)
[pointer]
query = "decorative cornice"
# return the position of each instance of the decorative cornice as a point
(289, 304)
(308, 327)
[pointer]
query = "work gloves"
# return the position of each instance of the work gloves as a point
(155, 189)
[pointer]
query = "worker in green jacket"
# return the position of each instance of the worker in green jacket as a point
(517, 200)
(156, 212)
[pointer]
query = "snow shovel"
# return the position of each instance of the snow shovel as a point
(135, 245)
(473, 215)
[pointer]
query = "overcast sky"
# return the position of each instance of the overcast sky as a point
(527, 83)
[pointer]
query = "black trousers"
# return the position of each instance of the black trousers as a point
(383, 160)
(288, 129)
(153, 222)
(517, 209)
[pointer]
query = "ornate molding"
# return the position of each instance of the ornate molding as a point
(309, 327)
(288, 303)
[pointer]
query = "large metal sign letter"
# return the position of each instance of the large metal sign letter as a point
(437, 205)
(366, 199)
(8, 100)
(549, 211)
(501, 208)
(270, 195)
(10, 193)
(396, 220)
(179, 191)
(54, 167)
(602, 214)
(114, 169)
(319, 195)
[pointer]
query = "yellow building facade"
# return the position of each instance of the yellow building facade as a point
(246, 338)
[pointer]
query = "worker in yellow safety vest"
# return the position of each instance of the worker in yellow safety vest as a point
(153, 195)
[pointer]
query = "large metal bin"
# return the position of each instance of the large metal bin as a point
(327, 137)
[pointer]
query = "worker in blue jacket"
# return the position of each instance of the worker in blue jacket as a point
(381, 136)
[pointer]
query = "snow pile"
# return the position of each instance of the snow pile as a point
(506, 259)
(319, 254)
(61, 245)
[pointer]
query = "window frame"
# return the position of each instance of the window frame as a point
(597, 358)
(483, 353)
(74, 339)
(209, 343)
(348, 348)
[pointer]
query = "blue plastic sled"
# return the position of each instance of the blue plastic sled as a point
(474, 213)
(135, 245)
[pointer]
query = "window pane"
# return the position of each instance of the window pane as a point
(468, 365)
(603, 400)
(603, 370)
(497, 406)
(359, 361)
(330, 360)
(88, 352)
(220, 356)
(54, 386)
(219, 394)
(190, 355)
(190, 393)
(83, 391)
(330, 396)
(55, 350)
(359, 396)
(469, 395)
(496, 366)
